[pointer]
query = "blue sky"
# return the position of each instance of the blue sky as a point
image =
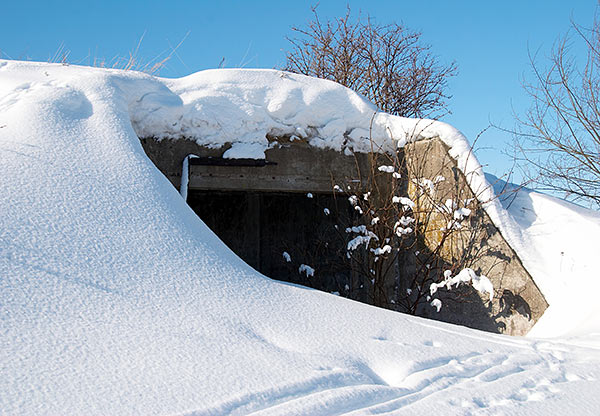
(489, 41)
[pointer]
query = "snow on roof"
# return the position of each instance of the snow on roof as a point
(116, 299)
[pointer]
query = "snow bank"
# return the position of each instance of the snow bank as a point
(562, 241)
(116, 299)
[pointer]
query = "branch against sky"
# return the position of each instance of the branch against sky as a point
(386, 63)
(558, 139)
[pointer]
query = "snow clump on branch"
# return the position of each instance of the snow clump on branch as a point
(479, 282)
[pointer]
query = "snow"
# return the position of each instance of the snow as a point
(309, 271)
(404, 201)
(437, 304)
(404, 221)
(562, 251)
(461, 213)
(364, 237)
(400, 231)
(425, 185)
(483, 285)
(401, 227)
(467, 275)
(241, 150)
(380, 251)
(386, 169)
(115, 298)
(357, 241)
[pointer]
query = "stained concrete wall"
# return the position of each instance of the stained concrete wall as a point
(518, 303)
(298, 167)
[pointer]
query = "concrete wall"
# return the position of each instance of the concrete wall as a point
(297, 167)
(518, 302)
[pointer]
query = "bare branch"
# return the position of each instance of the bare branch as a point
(559, 137)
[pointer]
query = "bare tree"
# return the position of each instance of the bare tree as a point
(386, 63)
(560, 134)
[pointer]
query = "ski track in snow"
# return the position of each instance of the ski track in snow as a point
(424, 381)
(117, 299)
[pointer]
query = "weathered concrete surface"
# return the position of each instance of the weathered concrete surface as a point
(301, 169)
(518, 302)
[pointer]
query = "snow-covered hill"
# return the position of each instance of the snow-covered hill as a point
(116, 299)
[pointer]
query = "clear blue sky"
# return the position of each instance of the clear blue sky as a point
(489, 41)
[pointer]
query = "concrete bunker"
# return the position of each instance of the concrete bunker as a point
(277, 214)
(285, 208)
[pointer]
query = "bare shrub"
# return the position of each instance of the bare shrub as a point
(415, 229)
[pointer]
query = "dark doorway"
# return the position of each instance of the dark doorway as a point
(277, 233)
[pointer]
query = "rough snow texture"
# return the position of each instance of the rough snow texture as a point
(116, 299)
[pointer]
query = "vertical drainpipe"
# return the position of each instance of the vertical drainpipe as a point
(185, 176)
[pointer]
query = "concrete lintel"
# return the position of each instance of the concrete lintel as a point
(227, 180)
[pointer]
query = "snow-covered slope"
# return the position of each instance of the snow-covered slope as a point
(116, 299)
(563, 241)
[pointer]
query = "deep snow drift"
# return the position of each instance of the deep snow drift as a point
(117, 299)
(563, 242)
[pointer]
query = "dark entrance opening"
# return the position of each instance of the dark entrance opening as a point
(277, 233)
